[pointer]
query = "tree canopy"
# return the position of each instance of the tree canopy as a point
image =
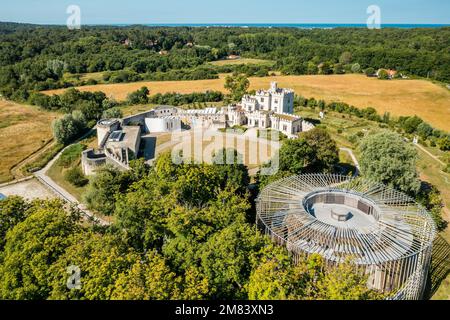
(387, 158)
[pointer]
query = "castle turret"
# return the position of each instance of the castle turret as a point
(274, 86)
(104, 128)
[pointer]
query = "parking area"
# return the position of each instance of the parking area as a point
(29, 189)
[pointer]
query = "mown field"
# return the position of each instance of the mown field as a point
(23, 130)
(399, 97)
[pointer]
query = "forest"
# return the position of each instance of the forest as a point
(35, 58)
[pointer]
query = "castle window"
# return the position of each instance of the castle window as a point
(262, 99)
(284, 127)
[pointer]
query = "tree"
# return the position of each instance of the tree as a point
(147, 279)
(112, 113)
(13, 210)
(101, 191)
(295, 156)
(101, 259)
(66, 129)
(141, 212)
(237, 84)
(231, 169)
(138, 97)
(387, 158)
(411, 124)
(345, 58)
(444, 143)
(345, 282)
(274, 277)
(424, 130)
(31, 247)
(325, 150)
(314, 151)
(227, 268)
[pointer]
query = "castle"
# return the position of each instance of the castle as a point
(119, 140)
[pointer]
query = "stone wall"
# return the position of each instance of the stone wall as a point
(91, 161)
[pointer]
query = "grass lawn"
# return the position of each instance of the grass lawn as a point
(57, 171)
(242, 61)
(399, 97)
(23, 131)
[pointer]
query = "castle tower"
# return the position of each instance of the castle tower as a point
(104, 128)
(274, 86)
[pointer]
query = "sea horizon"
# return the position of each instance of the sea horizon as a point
(255, 25)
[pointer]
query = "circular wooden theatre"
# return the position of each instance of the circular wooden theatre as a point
(383, 231)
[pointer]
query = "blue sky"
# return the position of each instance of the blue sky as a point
(226, 11)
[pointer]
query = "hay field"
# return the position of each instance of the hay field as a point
(399, 97)
(23, 130)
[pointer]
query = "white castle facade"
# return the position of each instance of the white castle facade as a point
(269, 109)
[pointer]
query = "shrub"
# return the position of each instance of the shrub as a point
(76, 177)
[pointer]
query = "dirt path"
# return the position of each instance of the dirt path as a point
(355, 161)
(430, 154)
(42, 176)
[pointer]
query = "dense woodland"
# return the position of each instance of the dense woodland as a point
(34, 58)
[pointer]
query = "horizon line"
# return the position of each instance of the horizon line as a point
(267, 24)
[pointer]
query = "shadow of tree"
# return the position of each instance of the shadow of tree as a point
(440, 266)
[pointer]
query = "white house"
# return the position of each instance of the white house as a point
(163, 124)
